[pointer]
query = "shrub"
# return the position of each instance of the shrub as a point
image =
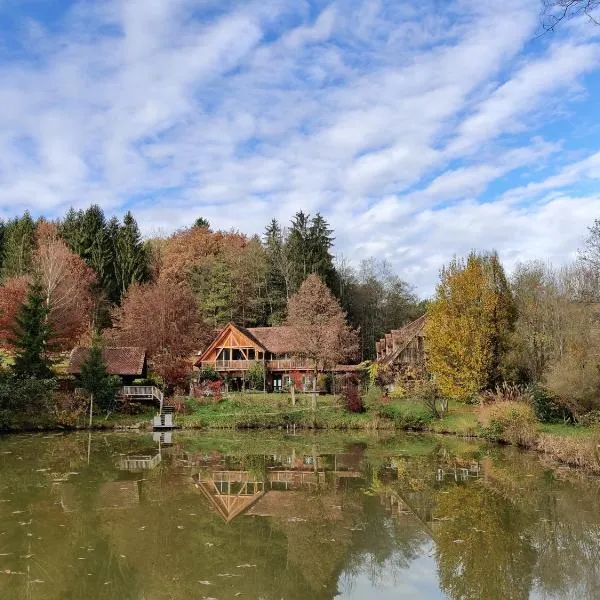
(548, 409)
(255, 376)
(590, 419)
(373, 397)
(351, 394)
(510, 422)
(208, 374)
(507, 392)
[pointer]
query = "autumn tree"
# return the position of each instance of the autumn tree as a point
(320, 333)
(12, 296)
(67, 286)
(469, 324)
(162, 317)
(32, 336)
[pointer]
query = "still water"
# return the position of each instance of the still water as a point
(268, 516)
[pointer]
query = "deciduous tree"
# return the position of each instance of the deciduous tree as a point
(319, 329)
(162, 317)
(469, 323)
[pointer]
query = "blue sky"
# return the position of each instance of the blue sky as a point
(420, 130)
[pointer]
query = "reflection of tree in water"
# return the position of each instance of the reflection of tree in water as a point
(483, 548)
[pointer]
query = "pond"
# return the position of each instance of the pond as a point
(270, 516)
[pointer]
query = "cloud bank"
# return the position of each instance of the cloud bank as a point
(419, 132)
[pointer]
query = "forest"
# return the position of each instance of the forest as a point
(90, 279)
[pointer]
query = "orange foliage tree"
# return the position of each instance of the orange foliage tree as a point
(163, 318)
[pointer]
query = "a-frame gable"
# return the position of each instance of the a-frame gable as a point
(231, 337)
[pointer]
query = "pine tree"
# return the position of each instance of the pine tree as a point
(131, 258)
(202, 223)
(278, 272)
(19, 243)
(95, 380)
(32, 333)
(298, 249)
(320, 241)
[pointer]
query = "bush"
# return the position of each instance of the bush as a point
(507, 392)
(373, 397)
(590, 419)
(255, 376)
(351, 394)
(208, 374)
(510, 422)
(548, 409)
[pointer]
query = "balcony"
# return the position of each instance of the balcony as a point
(283, 364)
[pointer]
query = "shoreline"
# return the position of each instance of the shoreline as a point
(579, 449)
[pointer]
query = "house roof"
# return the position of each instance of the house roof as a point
(126, 360)
(402, 337)
(273, 339)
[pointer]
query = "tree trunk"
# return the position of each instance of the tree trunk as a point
(91, 408)
(314, 393)
(293, 392)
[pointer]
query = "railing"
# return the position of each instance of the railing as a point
(283, 364)
(144, 392)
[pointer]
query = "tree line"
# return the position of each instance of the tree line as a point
(538, 329)
(87, 273)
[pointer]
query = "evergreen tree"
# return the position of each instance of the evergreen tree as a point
(96, 381)
(32, 333)
(2, 232)
(298, 249)
(18, 246)
(202, 223)
(278, 272)
(131, 258)
(320, 242)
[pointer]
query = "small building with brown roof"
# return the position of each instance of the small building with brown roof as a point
(128, 362)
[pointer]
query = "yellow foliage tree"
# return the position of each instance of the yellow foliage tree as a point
(469, 324)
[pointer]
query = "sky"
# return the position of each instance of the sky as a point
(420, 130)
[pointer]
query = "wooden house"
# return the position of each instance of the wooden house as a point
(236, 349)
(404, 348)
(128, 362)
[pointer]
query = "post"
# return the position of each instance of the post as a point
(91, 408)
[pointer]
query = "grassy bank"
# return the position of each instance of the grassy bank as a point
(560, 443)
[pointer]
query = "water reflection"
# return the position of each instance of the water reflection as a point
(193, 516)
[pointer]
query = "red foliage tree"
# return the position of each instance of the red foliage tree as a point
(163, 318)
(12, 296)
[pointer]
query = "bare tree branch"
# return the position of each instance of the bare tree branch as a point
(554, 12)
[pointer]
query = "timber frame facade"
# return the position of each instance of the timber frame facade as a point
(403, 349)
(235, 350)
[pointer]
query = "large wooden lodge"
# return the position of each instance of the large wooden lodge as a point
(236, 349)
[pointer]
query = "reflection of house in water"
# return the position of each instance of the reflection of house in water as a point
(138, 462)
(459, 473)
(277, 488)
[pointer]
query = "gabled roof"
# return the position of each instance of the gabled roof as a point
(277, 340)
(403, 337)
(127, 360)
(274, 339)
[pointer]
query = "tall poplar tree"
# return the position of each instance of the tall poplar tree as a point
(32, 334)
(469, 324)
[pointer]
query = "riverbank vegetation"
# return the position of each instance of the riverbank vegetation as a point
(508, 358)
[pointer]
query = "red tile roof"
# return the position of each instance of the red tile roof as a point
(119, 361)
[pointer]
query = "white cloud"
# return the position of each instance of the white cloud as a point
(387, 117)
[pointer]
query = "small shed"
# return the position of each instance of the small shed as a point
(128, 362)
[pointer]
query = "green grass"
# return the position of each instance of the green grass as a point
(461, 419)
(566, 430)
